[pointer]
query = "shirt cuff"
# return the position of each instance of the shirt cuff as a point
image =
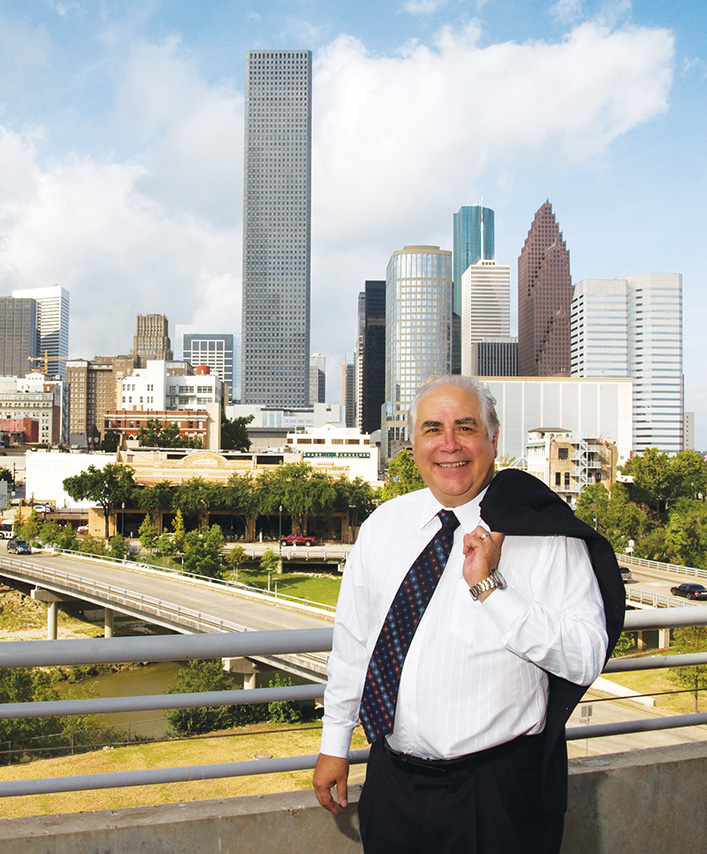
(336, 740)
(507, 608)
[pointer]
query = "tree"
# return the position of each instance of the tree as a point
(686, 534)
(154, 434)
(402, 476)
(148, 533)
(202, 552)
(195, 497)
(283, 711)
(356, 498)
(693, 677)
(109, 486)
(118, 547)
(235, 558)
(154, 499)
(234, 432)
(6, 475)
(269, 562)
(201, 676)
(29, 529)
(299, 489)
(179, 533)
(659, 479)
(613, 515)
(238, 495)
(111, 442)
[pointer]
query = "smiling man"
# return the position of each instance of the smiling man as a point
(449, 635)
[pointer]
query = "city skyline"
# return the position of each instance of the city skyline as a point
(123, 161)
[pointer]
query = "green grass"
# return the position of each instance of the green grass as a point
(323, 589)
(232, 746)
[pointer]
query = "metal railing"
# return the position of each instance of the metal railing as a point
(672, 568)
(247, 644)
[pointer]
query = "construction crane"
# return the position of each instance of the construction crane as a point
(46, 358)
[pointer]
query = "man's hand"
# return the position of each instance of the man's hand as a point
(331, 771)
(482, 554)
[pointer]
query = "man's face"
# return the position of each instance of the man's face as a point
(451, 446)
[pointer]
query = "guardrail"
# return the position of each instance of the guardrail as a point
(40, 572)
(249, 644)
(672, 568)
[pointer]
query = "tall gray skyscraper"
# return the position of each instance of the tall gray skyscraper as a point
(53, 304)
(277, 227)
(18, 337)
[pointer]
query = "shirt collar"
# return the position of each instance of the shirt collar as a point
(468, 514)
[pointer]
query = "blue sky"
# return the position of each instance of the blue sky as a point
(121, 147)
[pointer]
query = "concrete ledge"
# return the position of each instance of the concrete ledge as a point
(640, 802)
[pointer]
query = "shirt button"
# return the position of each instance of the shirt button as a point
(416, 746)
(408, 705)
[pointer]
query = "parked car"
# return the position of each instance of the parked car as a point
(297, 540)
(625, 574)
(19, 547)
(43, 507)
(690, 590)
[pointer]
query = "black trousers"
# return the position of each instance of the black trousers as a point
(487, 803)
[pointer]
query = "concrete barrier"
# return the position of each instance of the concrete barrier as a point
(640, 802)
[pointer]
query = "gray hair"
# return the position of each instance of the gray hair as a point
(473, 386)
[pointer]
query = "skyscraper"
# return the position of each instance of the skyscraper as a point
(207, 345)
(371, 356)
(317, 378)
(151, 339)
(418, 327)
(632, 327)
(18, 336)
(348, 389)
(52, 325)
(544, 298)
(474, 240)
(276, 228)
(486, 307)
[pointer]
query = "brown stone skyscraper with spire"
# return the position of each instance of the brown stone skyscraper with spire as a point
(544, 299)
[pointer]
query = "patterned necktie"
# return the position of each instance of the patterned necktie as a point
(380, 691)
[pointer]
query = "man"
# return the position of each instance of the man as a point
(460, 760)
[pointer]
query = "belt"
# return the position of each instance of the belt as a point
(412, 764)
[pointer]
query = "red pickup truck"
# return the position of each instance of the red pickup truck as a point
(297, 540)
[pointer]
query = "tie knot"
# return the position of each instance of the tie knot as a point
(449, 519)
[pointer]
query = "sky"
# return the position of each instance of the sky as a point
(121, 148)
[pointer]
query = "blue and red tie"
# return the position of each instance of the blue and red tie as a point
(380, 691)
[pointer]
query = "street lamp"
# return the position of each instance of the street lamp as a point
(279, 539)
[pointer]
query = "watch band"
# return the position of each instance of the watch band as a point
(495, 580)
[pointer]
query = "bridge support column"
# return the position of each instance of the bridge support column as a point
(663, 638)
(50, 600)
(248, 668)
(641, 643)
(108, 622)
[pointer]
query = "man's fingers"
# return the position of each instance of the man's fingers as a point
(331, 772)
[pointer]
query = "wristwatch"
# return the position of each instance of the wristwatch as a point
(495, 580)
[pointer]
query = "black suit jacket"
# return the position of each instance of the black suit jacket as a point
(518, 503)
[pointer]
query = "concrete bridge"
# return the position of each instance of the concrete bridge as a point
(178, 601)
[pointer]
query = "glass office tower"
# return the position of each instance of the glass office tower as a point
(276, 228)
(418, 323)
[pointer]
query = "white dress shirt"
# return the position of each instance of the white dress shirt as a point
(476, 672)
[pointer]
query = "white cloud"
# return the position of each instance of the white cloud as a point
(567, 11)
(424, 7)
(400, 142)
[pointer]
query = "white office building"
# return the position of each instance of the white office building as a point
(486, 308)
(632, 327)
(155, 389)
(601, 408)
